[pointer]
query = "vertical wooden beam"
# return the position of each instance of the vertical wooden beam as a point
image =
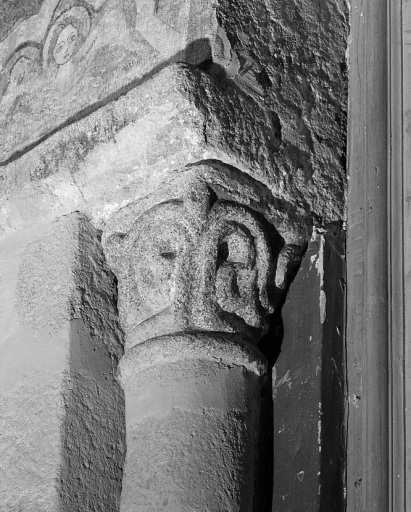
(368, 468)
(379, 355)
(399, 502)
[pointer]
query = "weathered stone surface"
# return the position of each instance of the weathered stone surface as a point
(62, 412)
(294, 102)
(292, 60)
(195, 263)
(126, 150)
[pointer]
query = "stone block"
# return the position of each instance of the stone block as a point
(61, 409)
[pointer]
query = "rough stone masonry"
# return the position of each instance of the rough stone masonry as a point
(166, 166)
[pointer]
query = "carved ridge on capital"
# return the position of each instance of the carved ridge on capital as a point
(226, 349)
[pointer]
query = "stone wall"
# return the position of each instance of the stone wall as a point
(165, 168)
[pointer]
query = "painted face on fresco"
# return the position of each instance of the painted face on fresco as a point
(65, 45)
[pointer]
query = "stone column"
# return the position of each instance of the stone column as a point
(192, 423)
(193, 299)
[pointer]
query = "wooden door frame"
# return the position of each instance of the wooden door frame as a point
(378, 260)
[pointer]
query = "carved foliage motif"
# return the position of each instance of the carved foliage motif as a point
(199, 263)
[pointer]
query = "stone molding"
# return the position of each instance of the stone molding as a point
(378, 260)
(229, 350)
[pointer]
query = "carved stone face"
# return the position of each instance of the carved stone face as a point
(156, 251)
(65, 45)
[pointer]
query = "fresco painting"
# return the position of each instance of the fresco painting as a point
(87, 52)
(154, 22)
(173, 14)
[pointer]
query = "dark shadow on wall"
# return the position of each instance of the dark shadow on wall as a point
(306, 345)
(93, 429)
(333, 386)
(270, 346)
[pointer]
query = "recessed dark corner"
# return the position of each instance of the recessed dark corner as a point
(264, 79)
(222, 253)
(343, 160)
(344, 68)
(276, 123)
(335, 228)
(270, 343)
(216, 71)
(213, 197)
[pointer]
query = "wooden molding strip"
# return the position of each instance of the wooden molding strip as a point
(397, 258)
(368, 444)
(379, 259)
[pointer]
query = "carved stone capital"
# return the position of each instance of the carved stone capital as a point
(199, 262)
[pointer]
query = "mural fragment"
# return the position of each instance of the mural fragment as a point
(86, 54)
